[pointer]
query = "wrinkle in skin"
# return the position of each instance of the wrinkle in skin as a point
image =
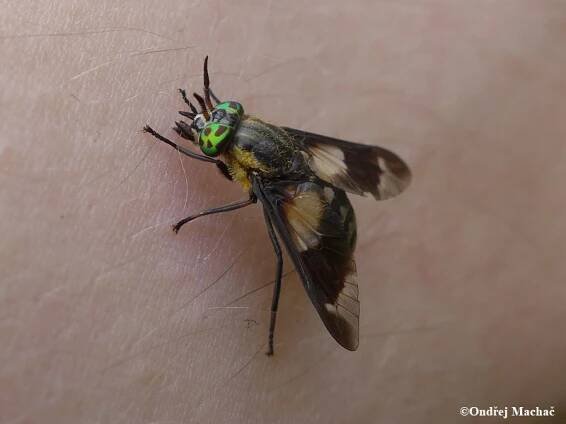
(85, 32)
(127, 56)
(154, 330)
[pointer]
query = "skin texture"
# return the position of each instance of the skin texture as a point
(107, 317)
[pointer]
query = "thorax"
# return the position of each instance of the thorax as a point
(264, 149)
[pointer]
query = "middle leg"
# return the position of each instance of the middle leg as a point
(226, 208)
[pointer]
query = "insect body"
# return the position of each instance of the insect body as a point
(300, 178)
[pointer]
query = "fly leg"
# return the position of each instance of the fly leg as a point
(184, 130)
(194, 110)
(204, 109)
(225, 208)
(181, 149)
(216, 100)
(207, 90)
(277, 286)
(221, 165)
(257, 188)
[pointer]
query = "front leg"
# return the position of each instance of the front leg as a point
(181, 149)
(225, 208)
(219, 164)
(185, 131)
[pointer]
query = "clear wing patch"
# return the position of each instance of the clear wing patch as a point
(356, 168)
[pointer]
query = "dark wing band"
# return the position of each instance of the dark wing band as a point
(356, 168)
(317, 224)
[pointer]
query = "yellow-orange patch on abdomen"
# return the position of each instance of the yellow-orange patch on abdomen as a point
(240, 163)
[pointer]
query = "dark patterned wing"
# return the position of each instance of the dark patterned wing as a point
(356, 168)
(317, 224)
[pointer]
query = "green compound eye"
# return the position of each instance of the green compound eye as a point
(231, 108)
(213, 137)
(217, 133)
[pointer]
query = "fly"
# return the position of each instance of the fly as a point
(301, 180)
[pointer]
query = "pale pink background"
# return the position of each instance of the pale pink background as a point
(105, 315)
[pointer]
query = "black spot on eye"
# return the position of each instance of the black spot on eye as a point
(220, 130)
(207, 131)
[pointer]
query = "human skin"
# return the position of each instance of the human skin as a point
(107, 316)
